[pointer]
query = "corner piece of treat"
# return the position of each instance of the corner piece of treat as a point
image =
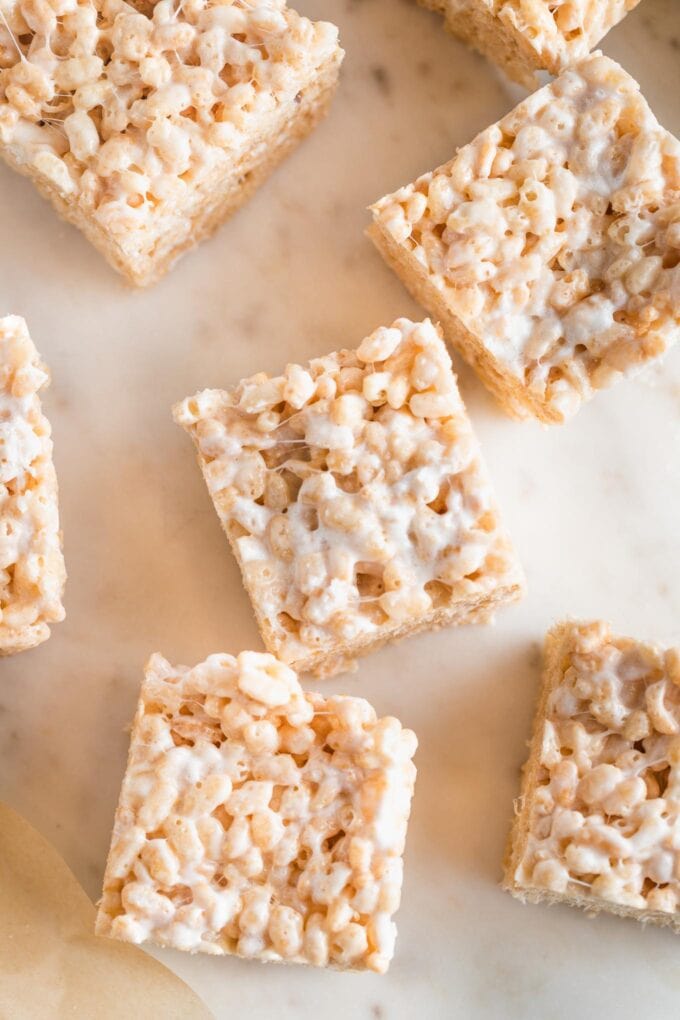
(32, 572)
(258, 820)
(523, 37)
(148, 125)
(355, 499)
(549, 247)
(598, 818)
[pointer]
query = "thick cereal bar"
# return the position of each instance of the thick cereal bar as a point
(598, 822)
(526, 36)
(146, 130)
(549, 246)
(32, 571)
(259, 820)
(354, 497)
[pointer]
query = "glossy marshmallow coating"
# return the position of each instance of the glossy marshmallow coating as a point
(130, 117)
(554, 238)
(604, 817)
(259, 820)
(353, 493)
(31, 563)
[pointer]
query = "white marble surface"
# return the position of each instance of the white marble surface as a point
(593, 508)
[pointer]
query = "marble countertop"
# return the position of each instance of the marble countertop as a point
(593, 508)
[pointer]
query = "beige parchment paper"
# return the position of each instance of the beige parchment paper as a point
(51, 965)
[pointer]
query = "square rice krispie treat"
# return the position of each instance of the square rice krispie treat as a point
(259, 820)
(354, 497)
(146, 130)
(598, 822)
(526, 36)
(549, 246)
(32, 573)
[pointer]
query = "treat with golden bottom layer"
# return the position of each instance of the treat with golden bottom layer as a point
(32, 570)
(526, 36)
(549, 246)
(146, 130)
(354, 497)
(598, 823)
(259, 820)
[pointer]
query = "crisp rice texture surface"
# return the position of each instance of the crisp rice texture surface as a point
(259, 820)
(549, 245)
(145, 129)
(354, 496)
(598, 823)
(524, 36)
(32, 570)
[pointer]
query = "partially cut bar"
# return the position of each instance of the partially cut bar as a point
(354, 497)
(598, 821)
(259, 820)
(32, 572)
(548, 247)
(146, 130)
(526, 36)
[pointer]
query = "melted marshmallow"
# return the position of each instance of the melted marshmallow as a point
(31, 563)
(353, 491)
(259, 820)
(555, 235)
(129, 116)
(603, 816)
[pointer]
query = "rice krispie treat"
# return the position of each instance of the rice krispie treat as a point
(598, 822)
(354, 497)
(259, 820)
(526, 36)
(549, 246)
(32, 573)
(147, 128)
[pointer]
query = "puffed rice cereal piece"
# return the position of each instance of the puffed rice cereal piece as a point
(598, 821)
(526, 36)
(32, 572)
(354, 497)
(147, 128)
(549, 247)
(258, 820)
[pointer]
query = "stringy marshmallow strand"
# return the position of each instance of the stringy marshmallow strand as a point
(554, 239)
(32, 571)
(602, 820)
(259, 820)
(128, 115)
(353, 493)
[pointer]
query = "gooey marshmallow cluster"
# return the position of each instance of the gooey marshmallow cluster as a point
(353, 492)
(604, 819)
(257, 819)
